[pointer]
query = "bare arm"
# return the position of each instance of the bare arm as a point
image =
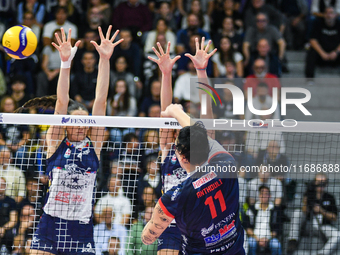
(246, 53)
(105, 50)
(200, 61)
(156, 226)
(176, 111)
(165, 64)
(55, 133)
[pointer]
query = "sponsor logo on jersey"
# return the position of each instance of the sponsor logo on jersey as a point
(1, 118)
(224, 221)
(67, 153)
(63, 197)
(173, 159)
(175, 194)
(205, 231)
(35, 239)
(88, 248)
(222, 248)
(225, 232)
(204, 179)
(159, 242)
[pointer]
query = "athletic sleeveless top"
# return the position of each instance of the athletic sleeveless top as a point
(72, 173)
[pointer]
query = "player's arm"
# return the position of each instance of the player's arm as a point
(66, 52)
(200, 61)
(105, 50)
(165, 64)
(160, 220)
(176, 111)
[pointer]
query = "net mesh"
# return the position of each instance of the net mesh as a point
(129, 181)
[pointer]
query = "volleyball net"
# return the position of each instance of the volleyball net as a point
(128, 180)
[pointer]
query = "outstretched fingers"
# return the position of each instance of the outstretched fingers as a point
(77, 43)
(108, 32)
(197, 45)
(114, 35)
(160, 48)
(63, 36)
(207, 47)
(69, 36)
(202, 43)
(156, 52)
(212, 53)
(168, 48)
(153, 59)
(100, 31)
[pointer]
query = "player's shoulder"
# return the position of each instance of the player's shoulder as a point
(217, 151)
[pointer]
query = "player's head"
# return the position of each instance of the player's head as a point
(264, 194)
(76, 134)
(192, 146)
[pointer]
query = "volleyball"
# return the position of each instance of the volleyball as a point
(19, 42)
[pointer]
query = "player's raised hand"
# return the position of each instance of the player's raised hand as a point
(64, 46)
(201, 57)
(164, 61)
(171, 110)
(106, 47)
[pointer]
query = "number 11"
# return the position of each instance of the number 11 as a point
(209, 201)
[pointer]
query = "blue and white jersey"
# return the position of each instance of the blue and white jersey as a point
(206, 207)
(172, 172)
(72, 172)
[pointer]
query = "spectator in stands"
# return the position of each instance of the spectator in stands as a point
(227, 11)
(122, 103)
(133, 15)
(262, 100)
(152, 178)
(24, 229)
(228, 30)
(274, 16)
(260, 31)
(94, 19)
(165, 13)
(272, 61)
(318, 7)
(33, 6)
(161, 29)
(261, 74)
(83, 86)
(114, 247)
(320, 207)
(18, 87)
(155, 89)
(149, 197)
(135, 245)
(85, 46)
(151, 142)
(130, 50)
(255, 141)
(15, 179)
(184, 6)
(47, 79)
(295, 12)
(225, 111)
(120, 204)
(103, 8)
(183, 62)
(12, 135)
(183, 91)
(264, 178)
(107, 228)
(29, 20)
(184, 35)
(263, 224)
(121, 73)
(325, 43)
(33, 196)
(75, 12)
(204, 20)
(230, 73)
(272, 156)
(226, 52)
(61, 15)
(8, 216)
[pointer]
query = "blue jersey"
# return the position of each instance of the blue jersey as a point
(72, 172)
(172, 172)
(206, 206)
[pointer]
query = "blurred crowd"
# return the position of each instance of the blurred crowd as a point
(251, 37)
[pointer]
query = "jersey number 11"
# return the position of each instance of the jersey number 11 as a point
(209, 201)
